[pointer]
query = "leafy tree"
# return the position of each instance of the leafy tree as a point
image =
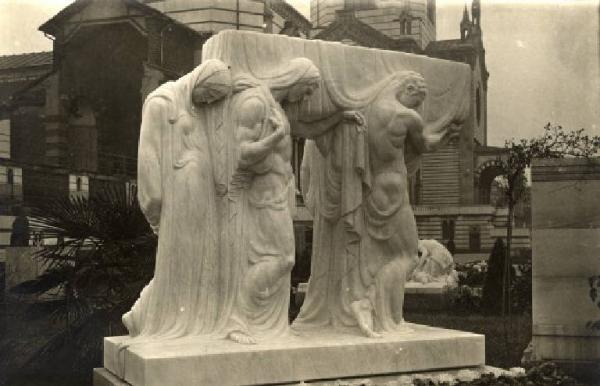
(94, 273)
(555, 142)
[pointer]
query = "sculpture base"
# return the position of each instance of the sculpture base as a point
(311, 355)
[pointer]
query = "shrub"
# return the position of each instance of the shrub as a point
(546, 374)
(491, 301)
(472, 273)
(103, 257)
(465, 299)
(521, 289)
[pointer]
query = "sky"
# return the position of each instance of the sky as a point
(543, 57)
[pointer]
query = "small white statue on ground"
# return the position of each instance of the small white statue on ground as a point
(435, 265)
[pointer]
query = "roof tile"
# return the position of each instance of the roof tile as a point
(32, 59)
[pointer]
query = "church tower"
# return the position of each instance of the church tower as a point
(465, 24)
(476, 12)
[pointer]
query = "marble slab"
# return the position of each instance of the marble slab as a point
(310, 355)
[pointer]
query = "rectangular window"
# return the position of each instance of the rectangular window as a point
(475, 239)
(5, 138)
(448, 226)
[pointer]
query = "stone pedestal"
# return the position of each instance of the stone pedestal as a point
(566, 250)
(310, 355)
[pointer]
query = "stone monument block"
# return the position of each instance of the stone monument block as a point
(566, 259)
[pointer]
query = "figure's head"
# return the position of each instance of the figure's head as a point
(412, 90)
(305, 86)
(209, 82)
(298, 81)
(302, 90)
(216, 86)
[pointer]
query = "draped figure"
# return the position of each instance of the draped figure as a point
(262, 194)
(216, 185)
(355, 183)
(194, 288)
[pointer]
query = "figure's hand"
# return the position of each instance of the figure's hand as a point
(355, 116)
(274, 122)
(278, 128)
(452, 132)
(445, 134)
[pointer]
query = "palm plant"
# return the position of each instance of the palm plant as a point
(103, 255)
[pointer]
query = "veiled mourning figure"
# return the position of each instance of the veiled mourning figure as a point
(365, 235)
(262, 192)
(191, 292)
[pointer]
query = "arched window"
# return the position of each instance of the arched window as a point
(131, 189)
(448, 228)
(474, 239)
(406, 25)
(10, 176)
(478, 105)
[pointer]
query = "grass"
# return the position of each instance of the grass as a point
(500, 351)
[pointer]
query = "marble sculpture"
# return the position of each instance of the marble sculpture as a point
(189, 293)
(435, 264)
(216, 185)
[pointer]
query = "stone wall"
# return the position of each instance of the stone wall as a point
(566, 253)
